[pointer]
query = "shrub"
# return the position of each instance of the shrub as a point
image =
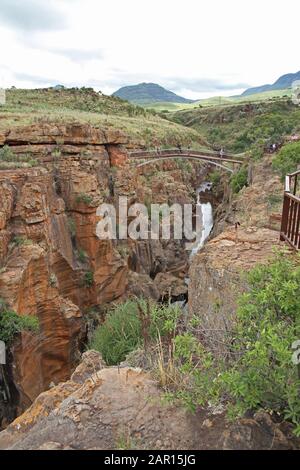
(85, 198)
(257, 153)
(119, 335)
(274, 199)
(53, 281)
(215, 177)
(123, 251)
(259, 372)
(287, 159)
(10, 160)
(21, 241)
(82, 255)
(6, 154)
(11, 323)
(268, 324)
(88, 279)
(130, 325)
(72, 226)
(239, 180)
(184, 165)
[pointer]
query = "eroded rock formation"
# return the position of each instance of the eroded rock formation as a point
(52, 265)
(122, 408)
(218, 276)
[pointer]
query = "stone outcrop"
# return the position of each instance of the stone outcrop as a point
(101, 410)
(217, 275)
(61, 134)
(47, 218)
(122, 408)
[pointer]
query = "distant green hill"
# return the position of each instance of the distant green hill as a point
(283, 82)
(148, 93)
(217, 101)
(242, 126)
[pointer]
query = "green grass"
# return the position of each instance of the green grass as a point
(11, 323)
(242, 127)
(220, 101)
(143, 127)
(288, 159)
(8, 160)
(131, 325)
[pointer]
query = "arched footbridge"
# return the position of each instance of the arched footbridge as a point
(140, 158)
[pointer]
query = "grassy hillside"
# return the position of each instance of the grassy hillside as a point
(273, 95)
(145, 128)
(242, 127)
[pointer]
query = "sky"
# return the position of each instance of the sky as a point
(195, 48)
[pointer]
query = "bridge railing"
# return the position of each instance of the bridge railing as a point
(290, 221)
(147, 153)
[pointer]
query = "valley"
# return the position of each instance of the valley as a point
(116, 321)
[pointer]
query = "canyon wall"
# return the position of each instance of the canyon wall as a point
(52, 265)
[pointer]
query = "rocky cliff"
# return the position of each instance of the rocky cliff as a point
(245, 234)
(218, 276)
(52, 265)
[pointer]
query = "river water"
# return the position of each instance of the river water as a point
(207, 217)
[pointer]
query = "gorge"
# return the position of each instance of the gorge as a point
(52, 264)
(54, 174)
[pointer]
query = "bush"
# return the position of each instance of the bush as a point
(88, 279)
(257, 153)
(239, 180)
(130, 325)
(11, 323)
(287, 159)
(268, 324)
(84, 198)
(259, 372)
(6, 154)
(82, 256)
(9, 159)
(72, 227)
(119, 335)
(22, 241)
(215, 177)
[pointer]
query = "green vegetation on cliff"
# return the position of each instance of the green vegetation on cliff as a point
(287, 159)
(242, 127)
(9, 160)
(254, 369)
(84, 105)
(131, 325)
(11, 323)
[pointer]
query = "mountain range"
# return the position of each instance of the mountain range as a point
(150, 93)
(283, 82)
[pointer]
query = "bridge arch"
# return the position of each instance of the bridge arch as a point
(188, 157)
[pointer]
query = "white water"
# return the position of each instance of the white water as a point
(207, 218)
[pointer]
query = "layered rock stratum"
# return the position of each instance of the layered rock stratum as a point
(123, 408)
(52, 265)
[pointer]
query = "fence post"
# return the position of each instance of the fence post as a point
(285, 216)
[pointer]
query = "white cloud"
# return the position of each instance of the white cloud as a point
(195, 47)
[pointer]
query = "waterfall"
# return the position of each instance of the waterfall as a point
(207, 217)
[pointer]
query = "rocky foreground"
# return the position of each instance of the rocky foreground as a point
(123, 408)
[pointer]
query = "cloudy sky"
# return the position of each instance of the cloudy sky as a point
(196, 48)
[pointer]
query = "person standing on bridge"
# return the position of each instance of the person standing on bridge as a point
(179, 148)
(222, 153)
